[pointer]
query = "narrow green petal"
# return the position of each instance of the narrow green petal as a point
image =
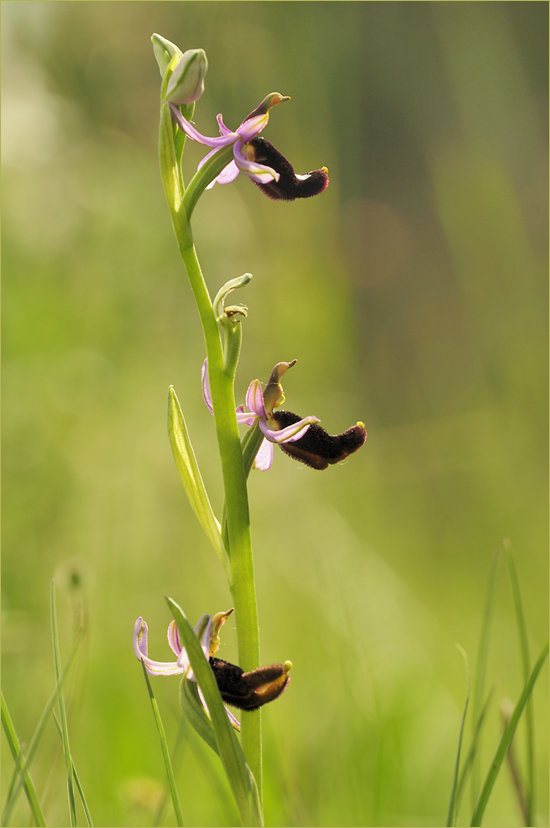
(191, 477)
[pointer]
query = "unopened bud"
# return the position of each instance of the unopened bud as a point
(187, 81)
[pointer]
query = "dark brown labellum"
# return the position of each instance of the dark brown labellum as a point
(248, 691)
(317, 448)
(289, 186)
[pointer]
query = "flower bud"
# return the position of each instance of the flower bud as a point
(187, 81)
(164, 52)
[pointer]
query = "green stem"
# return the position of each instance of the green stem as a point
(242, 585)
(221, 376)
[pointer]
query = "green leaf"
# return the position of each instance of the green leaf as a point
(239, 775)
(506, 740)
(17, 754)
(191, 478)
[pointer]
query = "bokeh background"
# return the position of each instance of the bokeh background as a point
(413, 293)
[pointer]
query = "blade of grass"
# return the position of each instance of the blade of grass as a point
(180, 741)
(481, 665)
(61, 707)
(16, 751)
(239, 775)
(525, 660)
(165, 751)
(506, 710)
(24, 763)
(452, 802)
(507, 737)
(76, 779)
(473, 747)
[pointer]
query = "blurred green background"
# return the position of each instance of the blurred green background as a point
(413, 293)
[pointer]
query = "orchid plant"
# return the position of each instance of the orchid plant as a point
(208, 681)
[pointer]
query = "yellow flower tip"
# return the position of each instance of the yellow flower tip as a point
(287, 666)
(276, 98)
(219, 619)
(360, 424)
(268, 103)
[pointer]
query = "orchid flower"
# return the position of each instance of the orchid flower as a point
(209, 642)
(247, 691)
(276, 178)
(302, 439)
(261, 406)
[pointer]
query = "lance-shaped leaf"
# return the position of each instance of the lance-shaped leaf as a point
(191, 477)
(239, 775)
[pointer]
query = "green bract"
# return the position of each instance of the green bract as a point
(164, 52)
